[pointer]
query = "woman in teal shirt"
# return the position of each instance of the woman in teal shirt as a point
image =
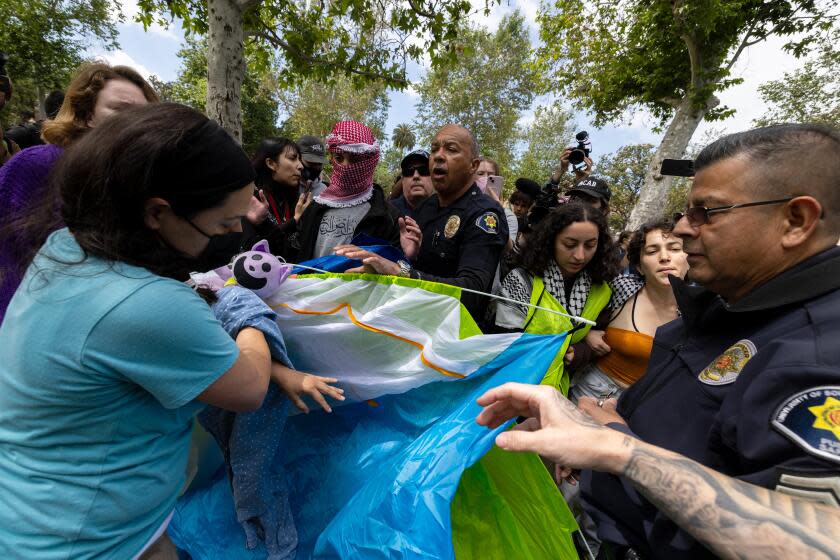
(105, 355)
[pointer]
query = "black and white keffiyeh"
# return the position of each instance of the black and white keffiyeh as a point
(554, 283)
(623, 288)
(519, 284)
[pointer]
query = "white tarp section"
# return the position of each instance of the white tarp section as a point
(414, 333)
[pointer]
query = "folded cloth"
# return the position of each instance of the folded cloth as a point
(250, 441)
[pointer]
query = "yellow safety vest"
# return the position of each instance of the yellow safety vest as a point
(542, 322)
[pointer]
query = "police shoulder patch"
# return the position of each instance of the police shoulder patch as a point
(726, 367)
(488, 222)
(811, 419)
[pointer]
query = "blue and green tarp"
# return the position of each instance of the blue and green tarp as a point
(402, 470)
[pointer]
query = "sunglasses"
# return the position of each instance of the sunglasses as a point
(699, 215)
(423, 170)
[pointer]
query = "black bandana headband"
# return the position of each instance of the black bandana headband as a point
(207, 161)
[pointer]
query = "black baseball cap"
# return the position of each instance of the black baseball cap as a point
(421, 156)
(312, 149)
(592, 186)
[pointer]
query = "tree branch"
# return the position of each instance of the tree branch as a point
(245, 5)
(670, 101)
(419, 10)
(744, 44)
(271, 36)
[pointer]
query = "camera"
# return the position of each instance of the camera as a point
(581, 151)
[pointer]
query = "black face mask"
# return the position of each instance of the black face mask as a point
(309, 174)
(220, 249)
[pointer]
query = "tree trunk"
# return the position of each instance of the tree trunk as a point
(654, 192)
(225, 65)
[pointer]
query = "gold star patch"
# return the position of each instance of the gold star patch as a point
(828, 416)
(487, 222)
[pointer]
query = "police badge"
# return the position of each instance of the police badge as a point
(727, 366)
(452, 225)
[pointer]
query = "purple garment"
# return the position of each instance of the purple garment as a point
(23, 179)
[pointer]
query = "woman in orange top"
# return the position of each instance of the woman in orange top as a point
(640, 305)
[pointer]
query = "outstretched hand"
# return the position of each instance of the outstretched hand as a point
(304, 200)
(410, 238)
(257, 209)
(371, 262)
(584, 172)
(555, 428)
(296, 385)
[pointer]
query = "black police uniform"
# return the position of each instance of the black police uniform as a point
(462, 244)
(751, 390)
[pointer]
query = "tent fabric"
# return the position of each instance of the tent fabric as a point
(398, 471)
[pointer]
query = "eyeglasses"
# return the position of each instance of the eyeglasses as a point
(423, 170)
(699, 215)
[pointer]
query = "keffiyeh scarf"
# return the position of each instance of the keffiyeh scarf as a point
(518, 285)
(623, 288)
(351, 184)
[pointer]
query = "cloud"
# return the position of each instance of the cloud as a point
(530, 9)
(527, 119)
(130, 11)
(124, 59)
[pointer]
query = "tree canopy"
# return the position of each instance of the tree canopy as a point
(363, 41)
(259, 96)
(616, 56)
(486, 88)
(46, 43)
(313, 107)
(808, 94)
(552, 129)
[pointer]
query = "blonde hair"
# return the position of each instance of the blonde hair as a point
(80, 100)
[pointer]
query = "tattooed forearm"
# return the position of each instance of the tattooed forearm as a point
(731, 517)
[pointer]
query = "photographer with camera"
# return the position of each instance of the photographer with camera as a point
(575, 156)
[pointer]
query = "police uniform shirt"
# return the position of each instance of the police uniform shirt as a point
(462, 244)
(751, 390)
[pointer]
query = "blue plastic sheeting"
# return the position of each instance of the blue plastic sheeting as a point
(335, 263)
(372, 480)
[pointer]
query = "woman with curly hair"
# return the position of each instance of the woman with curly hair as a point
(567, 265)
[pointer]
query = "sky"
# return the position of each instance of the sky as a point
(155, 52)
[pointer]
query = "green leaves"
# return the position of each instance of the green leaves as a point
(808, 94)
(486, 87)
(46, 42)
(624, 171)
(613, 56)
(313, 107)
(552, 130)
(364, 41)
(259, 97)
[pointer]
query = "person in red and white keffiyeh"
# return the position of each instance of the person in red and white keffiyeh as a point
(355, 154)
